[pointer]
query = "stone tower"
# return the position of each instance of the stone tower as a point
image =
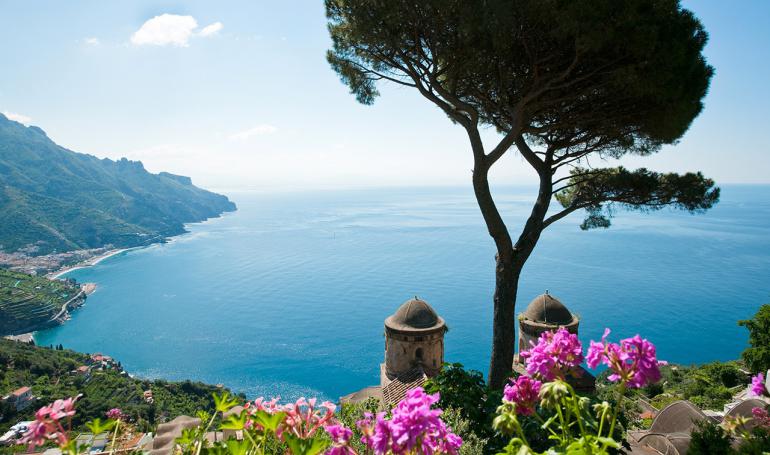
(414, 340)
(544, 313)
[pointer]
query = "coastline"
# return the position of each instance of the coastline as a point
(87, 263)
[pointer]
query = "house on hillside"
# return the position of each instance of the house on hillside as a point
(103, 362)
(83, 371)
(20, 398)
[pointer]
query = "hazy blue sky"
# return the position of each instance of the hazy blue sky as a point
(239, 95)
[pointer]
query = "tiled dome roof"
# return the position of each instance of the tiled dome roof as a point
(547, 309)
(414, 315)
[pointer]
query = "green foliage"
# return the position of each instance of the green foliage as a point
(664, 399)
(59, 200)
(472, 443)
(260, 437)
(629, 84)
(571, 423)
(350, 413)
(708, 438)
(27, 302)
(465, 391)
(758, 443)
(51, 375)
(599, 190)
(299, 446)
(708, 386)
(757, 356)
(96, 426)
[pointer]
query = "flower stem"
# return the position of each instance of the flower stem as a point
(622, 392)
(114, 437)
(518, 429)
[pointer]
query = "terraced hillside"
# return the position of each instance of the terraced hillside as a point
(28, 302)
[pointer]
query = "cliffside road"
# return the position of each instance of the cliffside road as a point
(64, 308)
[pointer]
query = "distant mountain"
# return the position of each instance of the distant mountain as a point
(55, 199)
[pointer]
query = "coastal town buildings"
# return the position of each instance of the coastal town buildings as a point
(28, 261)
(98, 361)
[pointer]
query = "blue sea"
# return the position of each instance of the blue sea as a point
(287, 296)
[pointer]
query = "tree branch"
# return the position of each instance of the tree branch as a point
(529, 155)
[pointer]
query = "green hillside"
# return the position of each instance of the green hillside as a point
(52, 375)
(57, 200)
(28, 302)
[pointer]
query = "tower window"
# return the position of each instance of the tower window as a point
(418, 353)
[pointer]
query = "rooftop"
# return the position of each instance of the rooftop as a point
(548, 309)
(20, 391)
(415, 315)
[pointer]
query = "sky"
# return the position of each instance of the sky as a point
(238, 95)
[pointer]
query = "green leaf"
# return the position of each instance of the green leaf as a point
(515, 447)
(188, 436)
(234, 422)
(298, 446)
(609, 442)
(223, 402)
(237, 447)
(215, 450)
(269, 421)
(96, 426)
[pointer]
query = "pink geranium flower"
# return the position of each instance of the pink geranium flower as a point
(761, 417)
(633, 361)
(37, 434)
(340, 436)
(524, 393)
(47, 424)
(115, 414)
(62, 408)
(303, 417)
(758, 387)
(414, 427)
(554, 355)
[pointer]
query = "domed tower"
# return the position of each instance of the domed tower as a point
(414, 337)
(544, 313)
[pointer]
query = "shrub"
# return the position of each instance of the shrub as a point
(708, 438)
(757, 444)
(725, 373)
(757, 356)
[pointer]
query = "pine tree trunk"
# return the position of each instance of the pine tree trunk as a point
(504, 321)
(509, 262)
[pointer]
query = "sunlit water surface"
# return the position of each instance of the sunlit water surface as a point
(287, 296)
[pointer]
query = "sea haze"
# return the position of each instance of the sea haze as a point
(287, 296)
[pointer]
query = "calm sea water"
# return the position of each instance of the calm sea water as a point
(288, 295)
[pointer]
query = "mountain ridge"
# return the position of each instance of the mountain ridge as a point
(53, 199)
